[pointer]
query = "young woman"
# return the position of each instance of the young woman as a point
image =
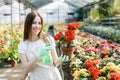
(37, 51)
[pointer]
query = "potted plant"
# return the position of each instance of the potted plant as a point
(66, 39)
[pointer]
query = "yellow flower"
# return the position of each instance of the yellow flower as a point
(81, 72)
(76, 73)
(103, 70)
(77, 31)
(84, 71)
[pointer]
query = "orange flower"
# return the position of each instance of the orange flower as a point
(104, 52)
(96, 61)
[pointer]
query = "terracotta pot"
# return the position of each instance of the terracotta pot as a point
(68, 51)
(13, 63)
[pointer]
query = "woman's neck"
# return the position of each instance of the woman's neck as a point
(34, 38)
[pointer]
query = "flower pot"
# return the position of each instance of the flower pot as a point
(68, 51)
(13, 63)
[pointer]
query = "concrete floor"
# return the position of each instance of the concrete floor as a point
(12, 73)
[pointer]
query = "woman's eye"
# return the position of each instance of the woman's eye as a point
(39, 23)
(34, 23)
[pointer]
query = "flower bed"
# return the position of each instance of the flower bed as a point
(9, 41)
(95, 59)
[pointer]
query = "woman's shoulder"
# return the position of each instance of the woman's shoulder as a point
(23, 44)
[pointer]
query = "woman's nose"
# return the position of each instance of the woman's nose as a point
(37, 24)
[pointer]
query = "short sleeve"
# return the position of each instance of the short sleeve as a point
(21, 48)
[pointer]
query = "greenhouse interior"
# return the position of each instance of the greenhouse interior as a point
(85, 34)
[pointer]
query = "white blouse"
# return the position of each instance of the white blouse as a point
(30, 49)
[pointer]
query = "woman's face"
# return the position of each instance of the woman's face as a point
(36, 26)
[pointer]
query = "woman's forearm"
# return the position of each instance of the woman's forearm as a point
(57, 63)
(30, 65)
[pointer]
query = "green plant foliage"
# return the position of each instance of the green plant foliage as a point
(103, 9)
(116, 7)
(94, 14)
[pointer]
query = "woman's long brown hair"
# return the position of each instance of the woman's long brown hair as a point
(28, 25)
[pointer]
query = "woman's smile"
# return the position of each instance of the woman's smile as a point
(36, 26)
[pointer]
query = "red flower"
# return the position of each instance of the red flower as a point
(88, 63)
(115, 76)
(58, 36)
(73, 26)
(66, 38)
(69, 35)
(94, 72)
